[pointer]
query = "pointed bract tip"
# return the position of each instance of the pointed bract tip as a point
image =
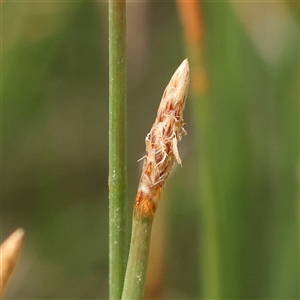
(185, 63)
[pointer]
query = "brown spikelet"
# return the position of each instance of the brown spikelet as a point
(9, 254)
(161, 141)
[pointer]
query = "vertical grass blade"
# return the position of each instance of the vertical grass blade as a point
(117, 147)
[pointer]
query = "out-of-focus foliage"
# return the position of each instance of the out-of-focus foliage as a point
(55, 144)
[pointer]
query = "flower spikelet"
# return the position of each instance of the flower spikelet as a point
(10, 252)
(162, 140)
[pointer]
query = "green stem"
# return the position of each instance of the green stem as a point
(138, 257)
(117, 147)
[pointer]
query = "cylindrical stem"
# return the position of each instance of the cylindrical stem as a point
(117, 147)
(138, 257)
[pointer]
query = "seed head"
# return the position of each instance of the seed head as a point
(161, 141)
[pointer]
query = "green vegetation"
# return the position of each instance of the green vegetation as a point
(231, 213)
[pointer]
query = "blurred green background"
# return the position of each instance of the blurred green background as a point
(228, 223)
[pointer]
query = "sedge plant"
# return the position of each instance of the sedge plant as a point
(161, 153)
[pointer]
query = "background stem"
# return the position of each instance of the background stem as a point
(117, 147)
(191, 17)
